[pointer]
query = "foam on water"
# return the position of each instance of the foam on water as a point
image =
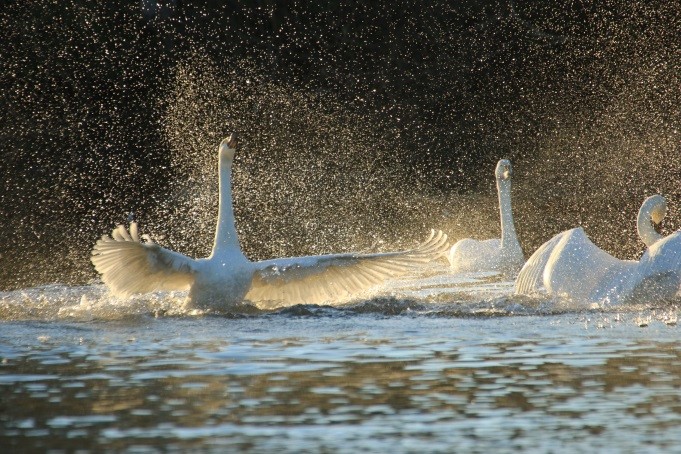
(433, 293)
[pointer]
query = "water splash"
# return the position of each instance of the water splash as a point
(434, 293)
(311, 177)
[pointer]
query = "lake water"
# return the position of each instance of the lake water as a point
(437, 363)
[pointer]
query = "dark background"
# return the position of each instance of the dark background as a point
(363, 125)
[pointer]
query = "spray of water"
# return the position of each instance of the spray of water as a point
(596, 168)
(363, 127)
(311, 176)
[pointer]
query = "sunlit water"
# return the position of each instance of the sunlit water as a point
(436, 364)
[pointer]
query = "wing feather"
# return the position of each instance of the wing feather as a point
(530, 280)
(335, 277)
(129, 266)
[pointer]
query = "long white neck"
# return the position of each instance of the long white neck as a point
(508, 235)
(643, 222)
(226, 238)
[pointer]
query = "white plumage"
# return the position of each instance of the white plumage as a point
(226, 278)
(499, 254)
(570, 265)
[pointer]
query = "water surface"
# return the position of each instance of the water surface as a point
(436, 364)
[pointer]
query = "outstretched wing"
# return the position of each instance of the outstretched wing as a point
(332, 278)
(128, 265)
(530, 280)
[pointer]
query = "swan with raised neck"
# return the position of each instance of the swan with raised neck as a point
(226, 278)
(504, 254)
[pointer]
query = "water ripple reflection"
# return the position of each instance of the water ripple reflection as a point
(473, 386)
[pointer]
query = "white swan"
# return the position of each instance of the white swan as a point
(570, 265)
(505, 254)
(227, 277)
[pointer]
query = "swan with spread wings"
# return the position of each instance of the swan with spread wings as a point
(131, 263)
(570, 265)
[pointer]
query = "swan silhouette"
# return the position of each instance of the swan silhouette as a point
(505, 254)
(226, 278)
(570, 265)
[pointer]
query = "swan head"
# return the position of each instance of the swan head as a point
(652, 211)
(504, 170)
(657, 206)
(228, 147)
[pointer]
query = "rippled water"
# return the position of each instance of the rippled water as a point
(439, 363)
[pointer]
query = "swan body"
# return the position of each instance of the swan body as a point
(660, 268)
(499, 254)
(130, 263)
(570, 265)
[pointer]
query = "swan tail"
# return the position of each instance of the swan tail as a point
(128, 266)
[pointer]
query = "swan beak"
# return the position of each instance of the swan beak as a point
(232, 141)
(507, 175)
